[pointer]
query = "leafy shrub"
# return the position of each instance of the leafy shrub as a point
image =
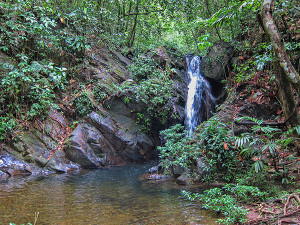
(177, 151)
(141, 67)
(215, 199)
(215, 141)
(7, 126)
(145, 123)
(28, 89)
(225, 200)
(244, 193)
(77, 44)
(265, 145)
(157, 92)
(100, 92)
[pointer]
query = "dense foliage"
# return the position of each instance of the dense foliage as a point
(44, 45)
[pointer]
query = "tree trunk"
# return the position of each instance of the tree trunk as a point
(286, 96)
(278, 44)
(132, 35)
(127, 22)
(285, 73)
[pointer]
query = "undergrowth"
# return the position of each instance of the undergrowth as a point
(227, 201)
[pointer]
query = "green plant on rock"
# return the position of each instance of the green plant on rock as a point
(78, 44)
(28, 89)
(244, 72)
(83, 105)
(157, 92)
(141, 67)
(143, 122)
(100, 92)
(7, 126)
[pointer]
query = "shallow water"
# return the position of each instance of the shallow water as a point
(106, 196)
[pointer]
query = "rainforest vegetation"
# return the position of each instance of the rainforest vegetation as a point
(44, 47)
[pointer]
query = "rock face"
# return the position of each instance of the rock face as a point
(110, 135)
(37, 151)
(108, 140)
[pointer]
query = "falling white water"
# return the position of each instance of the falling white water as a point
(200, 101)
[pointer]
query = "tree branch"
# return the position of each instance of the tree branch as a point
(273, 124)
(143, 13)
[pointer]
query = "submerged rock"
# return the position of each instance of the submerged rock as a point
(153, 169)
(154, 176)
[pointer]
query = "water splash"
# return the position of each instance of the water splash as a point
(200, 101)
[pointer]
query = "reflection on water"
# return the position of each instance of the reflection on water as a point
(106, 196)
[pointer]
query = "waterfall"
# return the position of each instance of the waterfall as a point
(200, 101)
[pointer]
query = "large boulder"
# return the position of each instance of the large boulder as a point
(88, 147)
(214, 64)
(124, 136)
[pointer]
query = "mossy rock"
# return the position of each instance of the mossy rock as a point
(215, 63)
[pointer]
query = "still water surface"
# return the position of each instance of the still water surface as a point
(105, 196)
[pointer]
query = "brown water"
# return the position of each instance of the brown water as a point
(106, 196)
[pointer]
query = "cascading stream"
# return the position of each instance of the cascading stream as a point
(200, 101)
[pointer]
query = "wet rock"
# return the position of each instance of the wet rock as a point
(40, 146)
(184, 179)
(11, 166)
(202, 167)
(153, 169)
(60, 163)
(88, 147)
(157, 169)
(55, 124)
(179, 170)
(40, 149)
(101, 57)
(3, 176)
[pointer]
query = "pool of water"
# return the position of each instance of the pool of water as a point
(105, 196)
